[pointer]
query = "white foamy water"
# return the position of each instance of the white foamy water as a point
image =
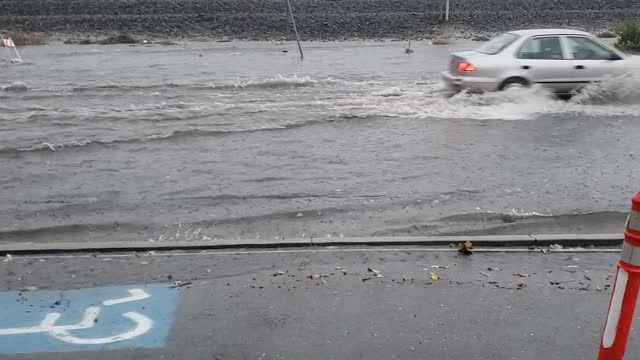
(614, 97)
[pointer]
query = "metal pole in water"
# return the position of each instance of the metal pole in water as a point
(446, 14)
(295, 29)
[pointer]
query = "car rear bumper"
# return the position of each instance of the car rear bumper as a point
(458, 83)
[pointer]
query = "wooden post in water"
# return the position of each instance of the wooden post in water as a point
(295, 29)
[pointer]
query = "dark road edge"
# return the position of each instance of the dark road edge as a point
(489, 240)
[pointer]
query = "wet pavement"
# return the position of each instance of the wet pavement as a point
(314, 303)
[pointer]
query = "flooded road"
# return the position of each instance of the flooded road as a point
(243, 140)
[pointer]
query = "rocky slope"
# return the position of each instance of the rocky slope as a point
(317, 19)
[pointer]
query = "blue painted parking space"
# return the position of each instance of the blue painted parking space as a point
(101, 318)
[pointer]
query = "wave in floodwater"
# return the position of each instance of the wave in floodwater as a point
(47, 146)
(170, 136)
(490, 216)
(277, 82)
(75, 124)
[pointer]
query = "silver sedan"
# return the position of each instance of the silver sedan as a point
(562, 60)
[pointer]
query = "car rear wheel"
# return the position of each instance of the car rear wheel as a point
(514, 83)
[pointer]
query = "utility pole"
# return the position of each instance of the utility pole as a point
(295, 29)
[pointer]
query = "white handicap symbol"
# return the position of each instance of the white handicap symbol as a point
(61, 332)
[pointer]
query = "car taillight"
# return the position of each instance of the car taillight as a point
(466, 67)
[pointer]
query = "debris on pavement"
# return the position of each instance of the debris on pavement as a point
(523, 275)
(494, 269)
(465, 248)
(484, 273)
(587, 278)
(144, 262)
(572, 266)
(375, 272)
(555, 246)
(317, 276)
(279, 273)
(8, 258)
(300, 215)
(560, 282)
(434, 276)
(439, 266)
(495, 283)
(29, 289)
(522, 285)
(177, 284)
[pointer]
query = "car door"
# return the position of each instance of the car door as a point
(544, 60)
(592, 61)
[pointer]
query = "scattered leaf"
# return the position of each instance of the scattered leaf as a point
(317, 276)
(465, 248)
(375, 272)
(177, 284)
(372, 273)
(434, 276)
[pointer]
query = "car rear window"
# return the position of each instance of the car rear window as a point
(497, 44)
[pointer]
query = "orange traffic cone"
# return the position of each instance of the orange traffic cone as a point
(625, 290)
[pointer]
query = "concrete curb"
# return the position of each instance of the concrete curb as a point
(494, 241)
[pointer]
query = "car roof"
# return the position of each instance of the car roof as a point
(532, 32)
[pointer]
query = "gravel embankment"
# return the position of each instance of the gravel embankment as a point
(317, 19)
